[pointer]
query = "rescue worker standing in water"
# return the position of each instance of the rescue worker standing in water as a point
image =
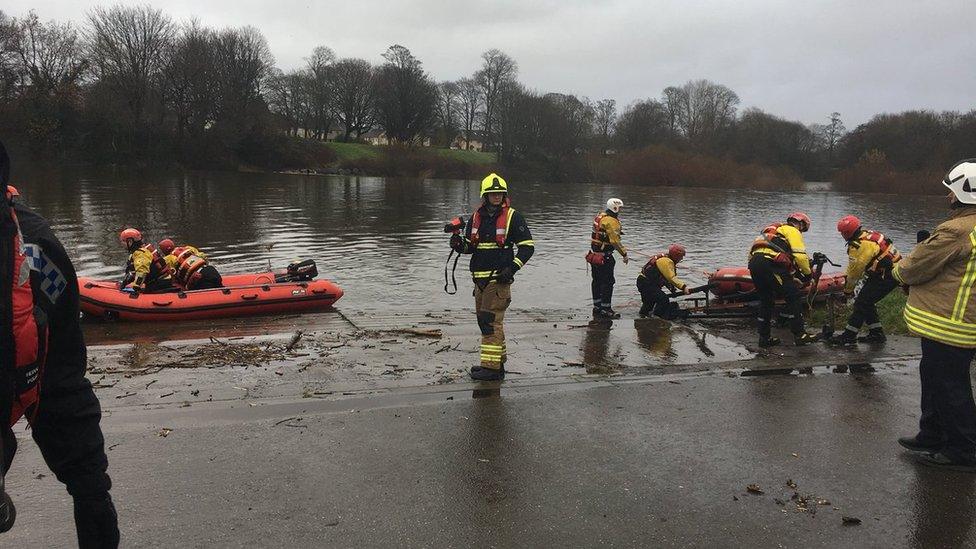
(941, 274)
(500, 244)
(776, 257)
(190, 267)
(604, 239)
(871, 256)
(659, 272)
(145, 270)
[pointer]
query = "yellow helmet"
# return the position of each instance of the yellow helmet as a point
(493, 184)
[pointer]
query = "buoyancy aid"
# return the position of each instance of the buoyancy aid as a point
(501, 225)
(886, 249)
(652, 273)
(188, 265)
(24, 324)
(772, 244)
(157, 268)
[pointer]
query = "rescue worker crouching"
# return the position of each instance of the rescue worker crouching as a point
(660, 272)
(941, 274)
(776, 257)
(499, 241)
(145, 270)
(190, 267)
(604, 239)
(871, 256)
(42, 371)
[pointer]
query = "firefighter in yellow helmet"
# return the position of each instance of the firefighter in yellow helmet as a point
(145, 269)
(500, 244)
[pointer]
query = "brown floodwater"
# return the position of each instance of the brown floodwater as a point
(381, 239)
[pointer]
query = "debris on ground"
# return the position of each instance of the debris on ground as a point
(754, 489)
(164, 432)
(850, 521)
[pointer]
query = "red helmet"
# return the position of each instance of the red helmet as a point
(676, 252)
(848, 226)
(166, 246)
(130, 235)
(803, 218)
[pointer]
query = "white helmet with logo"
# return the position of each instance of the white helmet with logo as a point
(614, 205)
(961, 180)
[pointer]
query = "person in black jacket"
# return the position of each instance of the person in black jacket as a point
(65, 420)
(492, 237)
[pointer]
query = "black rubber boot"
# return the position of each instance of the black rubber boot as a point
(480, 373)
(805, 339)
(914, 445)
(8, 513)
(846, 338)
(645, 311)
(874, 336)
(605, 313)
(768, 341)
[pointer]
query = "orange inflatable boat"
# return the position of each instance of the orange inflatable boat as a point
(735, 283)
(242, 295)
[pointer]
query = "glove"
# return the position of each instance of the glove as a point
(686, 290)
(457, 243)
(506, 275)
(803, 278)
(625, 258)
(96, 522)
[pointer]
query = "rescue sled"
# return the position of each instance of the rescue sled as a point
(735, 284)
(293, 290)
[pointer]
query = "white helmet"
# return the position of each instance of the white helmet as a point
(614, 205)
(961, 180)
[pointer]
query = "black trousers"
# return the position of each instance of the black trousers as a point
(948, 410)
(209, 278)
(875, 288)
(772, 282)
(603, 281)
(653, 298)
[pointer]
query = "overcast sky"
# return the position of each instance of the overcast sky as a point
(793, 58)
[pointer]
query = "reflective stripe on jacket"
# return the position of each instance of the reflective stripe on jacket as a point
(941, 273)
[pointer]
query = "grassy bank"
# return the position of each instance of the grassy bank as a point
(889, 310)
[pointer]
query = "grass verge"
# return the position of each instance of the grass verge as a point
(889, 311)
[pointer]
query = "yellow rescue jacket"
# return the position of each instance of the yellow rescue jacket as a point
(794, 247)
(866, 254)
(662, 270)
(941, 273)
(606, 234)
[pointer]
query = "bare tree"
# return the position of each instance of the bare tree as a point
(126, 47)
(833, 133)
(605, 116)
(406, 99)
(190, 82)
(244, 60)
(471, 105)
(319, 92)
(448, 110)
(49, 54)
(701, 109)
(673, 100)
(497, 71)
(643, 123)
(9, 74)
(353, 88)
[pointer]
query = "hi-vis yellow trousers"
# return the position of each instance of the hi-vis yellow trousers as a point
(490, 303)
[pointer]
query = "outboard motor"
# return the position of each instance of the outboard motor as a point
(301, 271)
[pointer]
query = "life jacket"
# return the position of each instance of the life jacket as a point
(157, 269)
(652, 273)
(24, 324)
(188, 266)
(501, 225)
(886, 249)
(599, 239)
(774, 245)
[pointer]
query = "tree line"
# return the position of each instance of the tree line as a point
(131, 84)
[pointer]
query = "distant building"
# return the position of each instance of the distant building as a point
(375, 137)
(475, 144)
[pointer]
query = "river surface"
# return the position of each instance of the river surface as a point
(382, 239)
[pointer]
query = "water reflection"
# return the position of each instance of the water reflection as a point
(373, 234)
(655, 336)
(944, 508)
